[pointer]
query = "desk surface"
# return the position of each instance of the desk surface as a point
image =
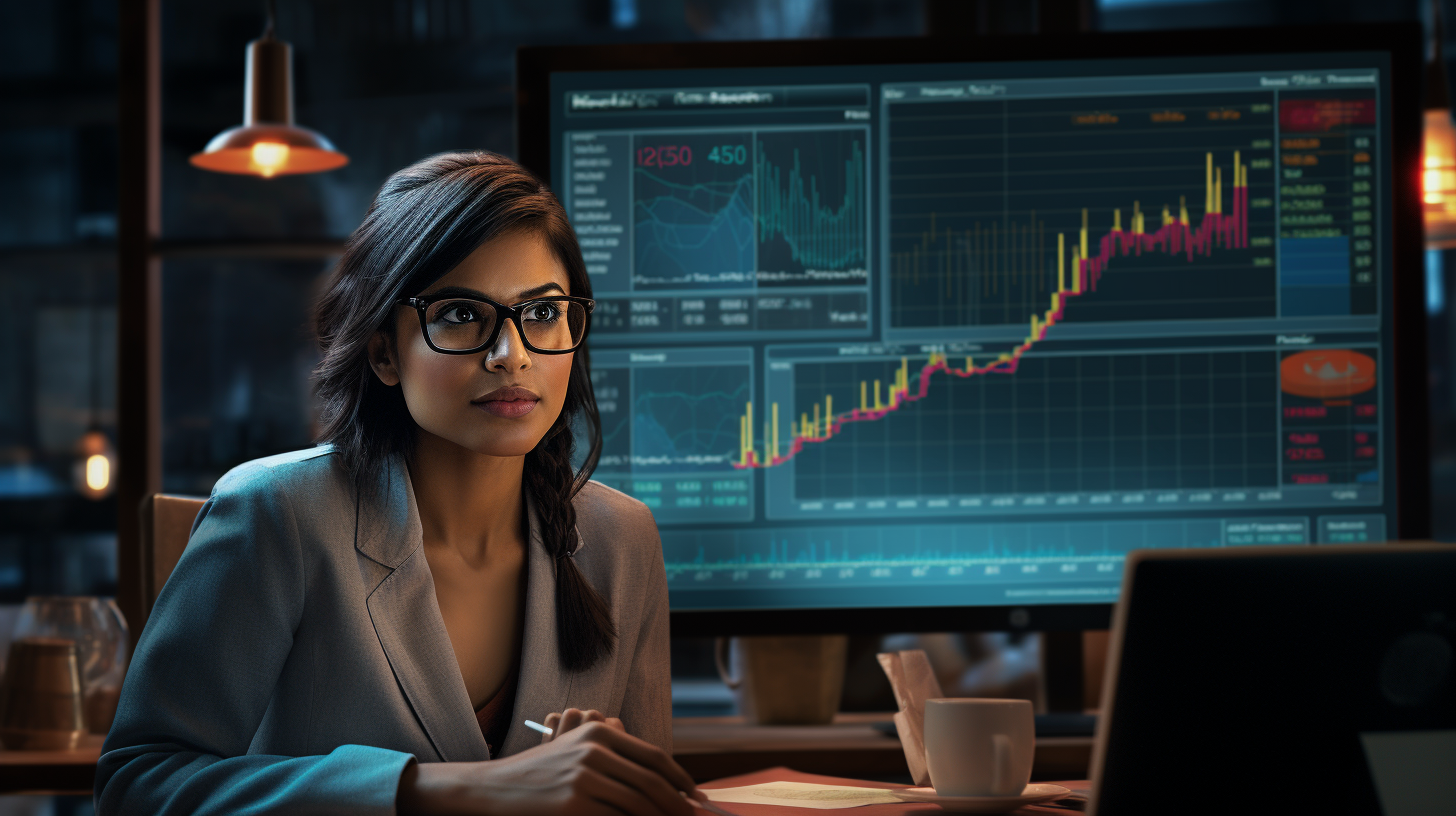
(786, 775)
(707, 747)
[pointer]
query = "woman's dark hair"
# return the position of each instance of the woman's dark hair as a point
(423, 222)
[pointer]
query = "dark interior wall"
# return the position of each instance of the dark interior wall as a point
(389, 81)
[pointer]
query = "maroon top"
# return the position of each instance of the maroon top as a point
(495, 716)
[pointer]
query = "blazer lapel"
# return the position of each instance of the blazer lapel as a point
(544, 686)
(407, 619)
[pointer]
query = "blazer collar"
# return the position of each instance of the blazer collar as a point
(411, 631)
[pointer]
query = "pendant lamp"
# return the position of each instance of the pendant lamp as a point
(268, 143)
(1438, 176)
(95, 457)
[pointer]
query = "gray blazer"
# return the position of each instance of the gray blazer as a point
(296, 659)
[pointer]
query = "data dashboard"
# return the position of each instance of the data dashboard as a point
(918, 335)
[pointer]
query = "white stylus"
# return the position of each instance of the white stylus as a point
(535, 726)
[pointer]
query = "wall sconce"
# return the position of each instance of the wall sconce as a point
(1438, 153)
(268, 143)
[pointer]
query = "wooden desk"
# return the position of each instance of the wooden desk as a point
(715, 747)
(707, 747)
(69, 773)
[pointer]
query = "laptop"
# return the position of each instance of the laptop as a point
(1281, 680)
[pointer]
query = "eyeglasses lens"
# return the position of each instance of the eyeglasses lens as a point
(549, 325)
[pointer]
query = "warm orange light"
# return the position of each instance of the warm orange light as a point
(95, 464)
(1438, 179)
(98, 472)
(269, 157)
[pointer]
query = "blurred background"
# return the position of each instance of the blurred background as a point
(389, 82)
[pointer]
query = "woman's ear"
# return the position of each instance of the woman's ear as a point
(382, 358)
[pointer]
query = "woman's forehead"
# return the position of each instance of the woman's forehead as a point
(507, 265)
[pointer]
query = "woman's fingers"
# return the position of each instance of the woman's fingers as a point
(616, 723)
(553, 721)
(634, 788)
(644, 754)
(570, 719)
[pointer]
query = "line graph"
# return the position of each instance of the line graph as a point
(1176, 235)
(667, 429)
(1074, 423)
(811, 214)
(1176, 192)
(748, 209)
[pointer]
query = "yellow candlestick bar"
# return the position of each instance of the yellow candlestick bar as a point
(1167, 216)
(774, 440)
(816, 420)
(1117, 220)
(748, 443)
(1208, 184)
(804, 429)
(1183, 210)
(863, 405)
(1218, 190)
(1137, 218)
(969, 365)
(1061, 262)
(1084, 233)
(1076, 271)
(828, 413)
(877, 395)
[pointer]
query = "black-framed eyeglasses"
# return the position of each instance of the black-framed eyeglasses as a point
(458, 325)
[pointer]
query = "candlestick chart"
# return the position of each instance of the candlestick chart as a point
(1167, 207)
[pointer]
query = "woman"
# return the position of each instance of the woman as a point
(356, 628)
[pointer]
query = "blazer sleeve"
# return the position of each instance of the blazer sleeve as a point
(205, 669)
(647, 706)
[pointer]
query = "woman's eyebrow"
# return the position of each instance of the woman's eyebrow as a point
(461, 291)
(540, 290)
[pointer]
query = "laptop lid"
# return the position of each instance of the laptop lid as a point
(1242, 680)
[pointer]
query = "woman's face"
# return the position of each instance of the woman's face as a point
(457, 397)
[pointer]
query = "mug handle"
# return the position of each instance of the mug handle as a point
(1001, 765)
(720, 656)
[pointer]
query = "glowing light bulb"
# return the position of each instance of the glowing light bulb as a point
(98, 472)
(1438, 180)
(269, 157)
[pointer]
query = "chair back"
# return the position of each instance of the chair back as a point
(166, 525)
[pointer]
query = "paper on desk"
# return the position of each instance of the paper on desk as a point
(803, 795)
(914, 682)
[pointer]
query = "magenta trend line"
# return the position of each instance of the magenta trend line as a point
(1228, 231)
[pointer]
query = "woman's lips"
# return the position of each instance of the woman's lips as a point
(508, 408)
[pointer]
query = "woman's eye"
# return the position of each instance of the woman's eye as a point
(458, 313)
(542, 311)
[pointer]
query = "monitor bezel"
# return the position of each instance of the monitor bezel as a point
(1401, 41)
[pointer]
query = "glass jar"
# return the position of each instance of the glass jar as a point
(103, 646)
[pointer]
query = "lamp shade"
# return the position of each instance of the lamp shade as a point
(268, 143)
(1438, 179)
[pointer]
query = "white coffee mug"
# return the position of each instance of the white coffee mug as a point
(979, 747)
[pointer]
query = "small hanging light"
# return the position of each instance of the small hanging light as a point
(1438, 172)
(268, 143)
(95, 465)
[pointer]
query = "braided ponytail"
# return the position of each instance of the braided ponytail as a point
(585, 632)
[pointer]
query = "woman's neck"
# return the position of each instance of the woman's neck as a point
(468, 502)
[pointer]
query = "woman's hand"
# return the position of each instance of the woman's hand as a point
(591, 769)
(573, 718)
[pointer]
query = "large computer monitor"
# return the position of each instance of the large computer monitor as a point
(928, 334)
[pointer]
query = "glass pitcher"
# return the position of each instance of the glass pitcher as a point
(103, 646)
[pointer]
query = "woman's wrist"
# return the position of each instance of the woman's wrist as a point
(429, 788)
